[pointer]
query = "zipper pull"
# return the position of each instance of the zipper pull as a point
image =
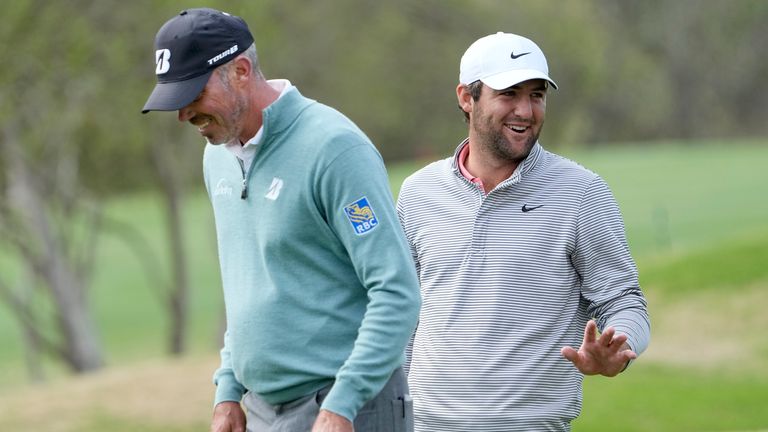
(244, 191)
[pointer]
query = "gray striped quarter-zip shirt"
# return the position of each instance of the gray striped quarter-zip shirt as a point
(507, 280)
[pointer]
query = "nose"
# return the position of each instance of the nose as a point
(185, 114)
(524, 107)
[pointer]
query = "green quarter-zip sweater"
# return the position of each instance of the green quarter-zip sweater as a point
(319, 283)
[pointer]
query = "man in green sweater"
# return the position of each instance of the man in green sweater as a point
(319, 285)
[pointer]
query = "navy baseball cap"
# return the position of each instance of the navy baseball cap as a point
(188, 47)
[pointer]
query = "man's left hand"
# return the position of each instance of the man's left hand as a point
(330, 422)
(605, 355)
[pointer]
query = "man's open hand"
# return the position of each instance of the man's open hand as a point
(605, 355)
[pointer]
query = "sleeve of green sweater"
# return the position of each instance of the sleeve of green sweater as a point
(354, 191)
(227, 386)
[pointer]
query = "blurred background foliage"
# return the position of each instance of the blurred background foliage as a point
(78, 72)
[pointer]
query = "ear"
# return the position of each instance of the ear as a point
(465, 98)
(242, 68)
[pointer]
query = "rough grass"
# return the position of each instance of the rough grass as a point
(706, 370)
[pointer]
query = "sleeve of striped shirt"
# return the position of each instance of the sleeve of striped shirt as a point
(401, 219)
(609, 274)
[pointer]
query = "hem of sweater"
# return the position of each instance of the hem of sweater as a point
(293, 393)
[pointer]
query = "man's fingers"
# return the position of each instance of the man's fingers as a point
(629, 355)
(605, 355)
(590, 332)
(569, 353)
(606, 337)
(618, 342)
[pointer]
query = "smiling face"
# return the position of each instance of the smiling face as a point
(506, 124)
(218, 111)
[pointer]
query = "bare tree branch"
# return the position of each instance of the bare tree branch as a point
(27, 319)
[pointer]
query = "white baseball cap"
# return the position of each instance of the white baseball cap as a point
(502, 60)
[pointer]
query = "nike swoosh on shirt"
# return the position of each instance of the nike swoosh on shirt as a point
(526, 209)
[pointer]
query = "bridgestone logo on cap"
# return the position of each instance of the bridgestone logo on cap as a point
(231, 50)
(162, 57)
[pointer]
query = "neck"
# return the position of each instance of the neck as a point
(260, 97)
(488, 168)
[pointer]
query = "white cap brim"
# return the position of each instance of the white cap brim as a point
(507, 79)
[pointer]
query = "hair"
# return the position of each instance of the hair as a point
(250, 54)
(475, 89)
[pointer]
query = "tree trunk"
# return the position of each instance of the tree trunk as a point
(177, 297)
(31, 340)
(178, 300)
(80, 341)
(43, 246)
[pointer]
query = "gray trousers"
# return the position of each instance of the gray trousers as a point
(390, 411)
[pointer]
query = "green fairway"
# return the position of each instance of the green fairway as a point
(697, 224)
(652, 398)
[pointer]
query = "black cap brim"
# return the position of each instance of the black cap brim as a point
(172, 96)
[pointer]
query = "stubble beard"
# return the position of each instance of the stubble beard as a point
(232, 127)
(232, 121)
(499, 146)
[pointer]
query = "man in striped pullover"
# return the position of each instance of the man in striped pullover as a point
(521, 255)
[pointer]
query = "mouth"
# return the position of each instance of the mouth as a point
(201, 122)
(516, 128)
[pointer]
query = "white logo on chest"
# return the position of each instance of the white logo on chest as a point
(222, 188)
(274, 189)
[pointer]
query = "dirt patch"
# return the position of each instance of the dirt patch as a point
(170, 392)
(713, 330)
